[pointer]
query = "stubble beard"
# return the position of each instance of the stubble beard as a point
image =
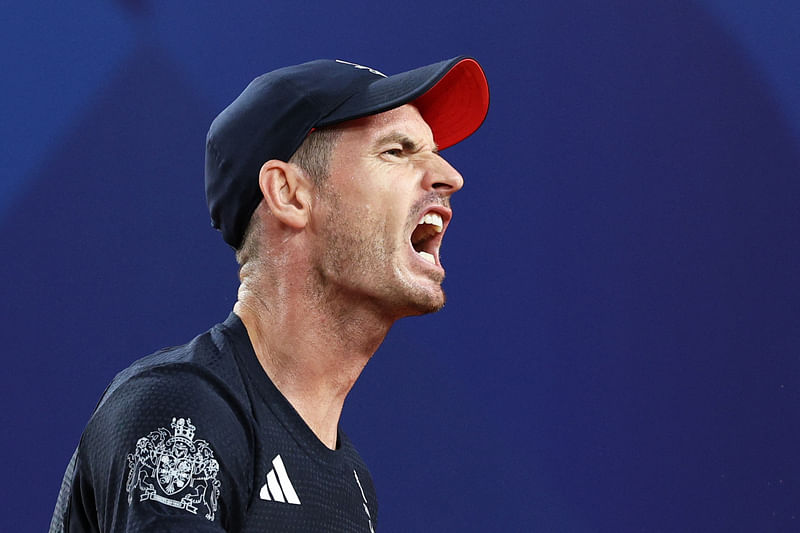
(361, 257)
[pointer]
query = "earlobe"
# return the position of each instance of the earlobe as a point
(286, 192)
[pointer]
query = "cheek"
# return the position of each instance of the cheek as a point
(392, 216)
(382, 209)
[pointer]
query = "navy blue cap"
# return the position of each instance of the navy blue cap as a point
(275, 113)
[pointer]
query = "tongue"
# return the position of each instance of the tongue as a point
(421, 233)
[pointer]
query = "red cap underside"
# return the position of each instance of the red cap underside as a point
(457, 105)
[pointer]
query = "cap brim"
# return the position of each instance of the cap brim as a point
(452, 96)
(456, 106)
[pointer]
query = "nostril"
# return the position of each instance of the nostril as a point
(450, 181)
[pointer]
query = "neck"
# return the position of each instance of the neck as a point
(312, 347)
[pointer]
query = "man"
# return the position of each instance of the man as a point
(326, 179)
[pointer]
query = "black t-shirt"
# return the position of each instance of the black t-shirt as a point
(197, 438)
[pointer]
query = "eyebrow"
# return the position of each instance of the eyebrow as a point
(408, 144)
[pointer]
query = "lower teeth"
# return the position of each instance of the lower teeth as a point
(427, 257)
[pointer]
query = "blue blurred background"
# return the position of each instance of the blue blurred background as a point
(621, 346)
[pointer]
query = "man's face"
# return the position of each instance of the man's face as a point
(382, 213)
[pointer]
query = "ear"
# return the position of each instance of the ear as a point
(287, 192)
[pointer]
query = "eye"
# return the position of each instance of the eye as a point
(393, 152)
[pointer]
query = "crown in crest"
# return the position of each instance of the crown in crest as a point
(183, 428)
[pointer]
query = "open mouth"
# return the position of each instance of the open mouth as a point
(427, 236)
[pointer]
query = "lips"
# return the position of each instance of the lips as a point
(427, 235)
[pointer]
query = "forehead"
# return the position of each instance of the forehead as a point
(404, 120)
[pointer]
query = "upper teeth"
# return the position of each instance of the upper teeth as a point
(434, 220)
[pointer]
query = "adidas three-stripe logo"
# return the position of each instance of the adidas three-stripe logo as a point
(278, 486)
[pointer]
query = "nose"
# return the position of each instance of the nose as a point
(442, 177)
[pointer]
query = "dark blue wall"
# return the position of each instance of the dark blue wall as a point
(621, 346)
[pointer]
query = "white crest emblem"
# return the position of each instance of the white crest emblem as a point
(361, 67)
(174, 469)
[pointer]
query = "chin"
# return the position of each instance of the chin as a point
(426, 303)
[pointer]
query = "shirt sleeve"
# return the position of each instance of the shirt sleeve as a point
(168, 450)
